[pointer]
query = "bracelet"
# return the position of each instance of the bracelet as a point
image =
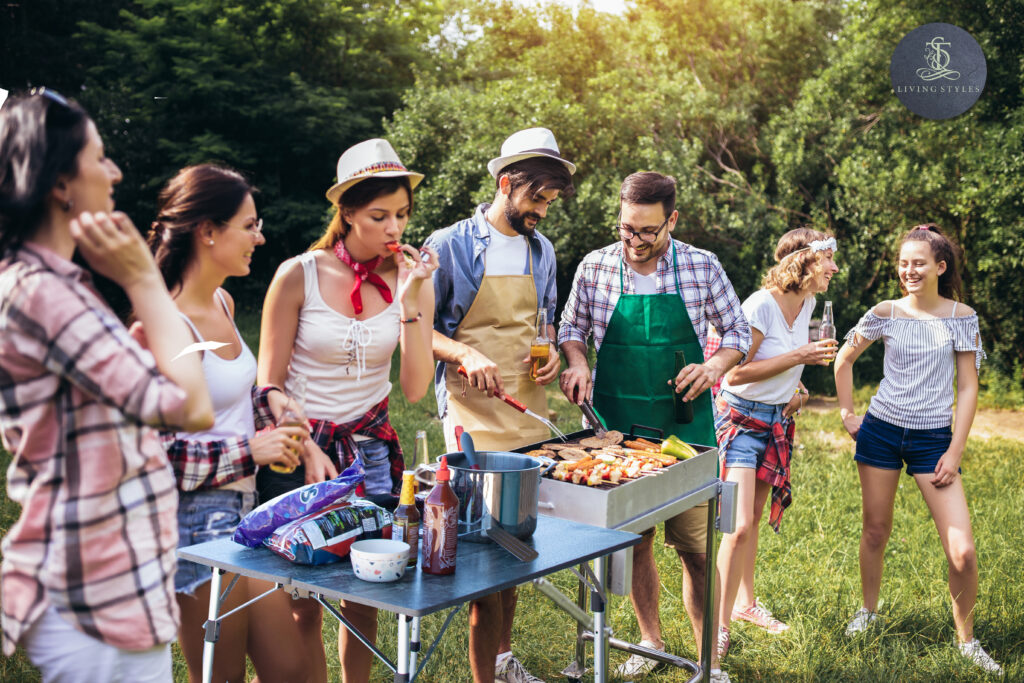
(412, 320)
(273, 387)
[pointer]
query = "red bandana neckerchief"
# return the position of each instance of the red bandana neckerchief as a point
(363, 271)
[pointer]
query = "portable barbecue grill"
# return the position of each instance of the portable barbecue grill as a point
(636, 505)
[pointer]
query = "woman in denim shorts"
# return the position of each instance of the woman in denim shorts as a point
(754, 410)
(930, 338)
(206, 231)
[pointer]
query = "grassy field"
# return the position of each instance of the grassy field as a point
(807, 574)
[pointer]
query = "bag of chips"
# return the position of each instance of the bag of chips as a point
(259, 524)
(326, 536)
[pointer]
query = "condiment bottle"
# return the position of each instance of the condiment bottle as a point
(406, 525)
(540, 348)
(440, 525)
(684, 409)
(827, 329)
(292, 416)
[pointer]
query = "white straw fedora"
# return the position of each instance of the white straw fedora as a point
(524, 144)
(369, 159)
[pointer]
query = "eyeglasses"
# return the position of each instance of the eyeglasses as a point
(647, 236)
(254, 228)
(51, 95)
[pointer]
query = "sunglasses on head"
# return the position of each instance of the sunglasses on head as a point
(51, 95)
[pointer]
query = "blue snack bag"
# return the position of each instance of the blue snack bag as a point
(326, 536)
(259, 524)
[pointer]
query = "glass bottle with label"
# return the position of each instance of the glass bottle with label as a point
(540, 348)
(440, 525)
(293, 416)
(827, 329)
(406, 525)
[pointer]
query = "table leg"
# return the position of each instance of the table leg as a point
(598, 598)
(414, 644)
(212, 626)
(709, 639)
(402, 661)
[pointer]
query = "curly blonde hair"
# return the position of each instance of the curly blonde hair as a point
(795, 264)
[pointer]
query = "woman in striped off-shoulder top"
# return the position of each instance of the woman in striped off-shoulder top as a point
(930, 338)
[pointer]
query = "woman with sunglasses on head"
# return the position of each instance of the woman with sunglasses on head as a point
(87, 574)
(205, 232)
(755, 407)
(932, 352)
(335, 315)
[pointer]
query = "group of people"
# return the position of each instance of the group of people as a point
(124, 448)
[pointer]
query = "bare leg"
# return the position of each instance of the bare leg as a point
(878, 494)
(948, 506)
(645, 588)
(734, 551)
(694, 576)
(485, 628)
(356, 658)
(273, 636)
(229, 654)
(308, 617)
(745, 595)
(509, 598)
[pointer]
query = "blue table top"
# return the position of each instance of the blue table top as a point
(481, 568)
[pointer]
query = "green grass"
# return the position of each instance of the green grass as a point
(807, 574)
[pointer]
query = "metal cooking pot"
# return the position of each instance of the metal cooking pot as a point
(503, 491)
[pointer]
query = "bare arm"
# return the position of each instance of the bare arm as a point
(417, 302)
(576, 378)
(845, 359)
(702, 376)
(966, 405)
(813, 353)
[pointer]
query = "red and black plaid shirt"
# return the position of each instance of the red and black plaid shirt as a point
(336, 440)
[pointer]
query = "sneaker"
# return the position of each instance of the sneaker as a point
(759, 615)
(513, 671)
(974, 652)
(723, 642)
(638, 666)
(719, 676)
(862, 620)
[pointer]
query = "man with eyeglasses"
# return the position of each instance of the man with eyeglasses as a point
(643, 299)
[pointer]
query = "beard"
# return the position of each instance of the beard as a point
(518, 220)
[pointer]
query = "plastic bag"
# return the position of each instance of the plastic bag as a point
(327, 535)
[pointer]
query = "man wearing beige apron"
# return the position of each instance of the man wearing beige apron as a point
(643, 300)
(495, 272)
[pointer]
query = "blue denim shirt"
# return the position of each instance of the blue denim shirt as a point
(460, 250)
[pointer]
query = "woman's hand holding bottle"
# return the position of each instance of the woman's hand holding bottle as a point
(821, 352)
(278, 446)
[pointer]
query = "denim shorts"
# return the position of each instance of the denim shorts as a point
(376, 457)
(887, 447)
(747, 450)
(206, 516)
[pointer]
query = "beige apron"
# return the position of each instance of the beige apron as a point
(500, 324)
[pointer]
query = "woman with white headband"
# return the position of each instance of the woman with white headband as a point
(755, 408)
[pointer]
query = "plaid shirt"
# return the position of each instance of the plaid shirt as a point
(706, 290)
(79, 402)
(775, 468)
(202, 465)
(336, 440)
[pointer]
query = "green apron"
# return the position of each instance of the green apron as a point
(637, 359)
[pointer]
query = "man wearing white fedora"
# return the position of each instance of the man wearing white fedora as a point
(495, 273)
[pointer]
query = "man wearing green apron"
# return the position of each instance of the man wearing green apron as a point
(495, 271)
(644, 299)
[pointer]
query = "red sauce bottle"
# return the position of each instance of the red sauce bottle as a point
(440, 525)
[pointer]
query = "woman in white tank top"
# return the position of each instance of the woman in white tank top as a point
(205, 232)
(336, 314)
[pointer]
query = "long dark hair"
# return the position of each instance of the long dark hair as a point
(40, 138)
(356, 197)
(194, 195)
(943, 249)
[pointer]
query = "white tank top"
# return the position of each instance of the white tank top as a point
(230, 383)
(347, 362)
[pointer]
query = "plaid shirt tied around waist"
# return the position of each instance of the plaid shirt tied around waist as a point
(337, 440)
(775, 467)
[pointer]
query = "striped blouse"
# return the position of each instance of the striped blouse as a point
(916, 391)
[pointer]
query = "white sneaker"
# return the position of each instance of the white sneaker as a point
(862, 619)
(638, 666)
(513, 671)
(976, 653)
(719, 676)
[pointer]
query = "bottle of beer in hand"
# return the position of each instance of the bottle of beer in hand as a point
(684, 410)
(293, 416)
(540, 348)
(440, 525)
(406, 525)
(827, 329)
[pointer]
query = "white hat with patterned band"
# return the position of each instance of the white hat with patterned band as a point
(369, 159)
(525, 144)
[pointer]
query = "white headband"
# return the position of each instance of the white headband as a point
(816, 245)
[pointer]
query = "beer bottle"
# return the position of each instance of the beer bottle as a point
(406, 525)
(540, 348)
(292, 416)
(827, 329)
(684, 409)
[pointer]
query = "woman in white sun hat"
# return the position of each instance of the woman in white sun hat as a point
(335, 315)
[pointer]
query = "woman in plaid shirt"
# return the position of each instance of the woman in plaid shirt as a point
(87, 575)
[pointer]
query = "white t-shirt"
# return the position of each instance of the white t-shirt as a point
(506, 255)
(764, 315)
(645, 284)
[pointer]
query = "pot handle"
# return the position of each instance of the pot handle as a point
(547, 464)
